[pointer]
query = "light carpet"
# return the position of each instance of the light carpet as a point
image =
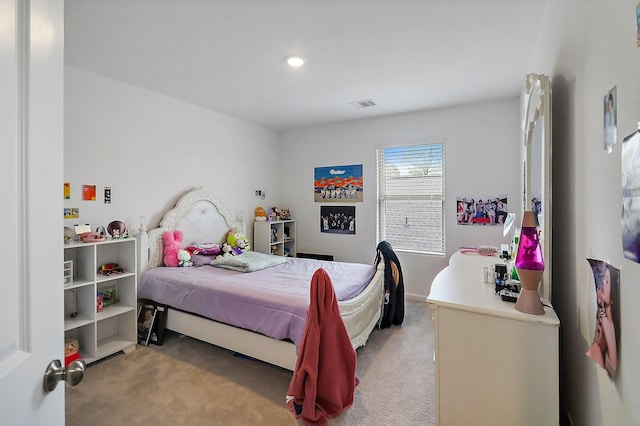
(189, 382)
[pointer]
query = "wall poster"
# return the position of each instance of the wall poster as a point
(342, 184)
(610, 120)
(606, 338)
(89, 192)
(638, 24)
(487, 212)
(71, 213)
(631, 197)
(338, 219)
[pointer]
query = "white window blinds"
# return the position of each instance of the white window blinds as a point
(411, 197)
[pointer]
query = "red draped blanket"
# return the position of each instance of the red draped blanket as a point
(324, 379)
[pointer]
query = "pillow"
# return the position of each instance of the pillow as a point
(201, 259)
(248, 261)
(208, 249)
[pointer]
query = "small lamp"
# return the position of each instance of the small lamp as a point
(530, 266)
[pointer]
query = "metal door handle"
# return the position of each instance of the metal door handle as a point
(55, 372)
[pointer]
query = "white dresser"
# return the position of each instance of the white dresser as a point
(494, 365)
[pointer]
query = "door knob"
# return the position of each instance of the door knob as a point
(55, 372)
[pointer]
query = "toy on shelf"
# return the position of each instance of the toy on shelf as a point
(91, 237)
(117, 229)
(71, 350)
(108, 295)
(110, 268)
(274, 214)
(261, 215)
(68, 235)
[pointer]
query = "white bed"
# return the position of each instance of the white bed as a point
(199, 214)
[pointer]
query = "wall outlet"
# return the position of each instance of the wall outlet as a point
(260, 194)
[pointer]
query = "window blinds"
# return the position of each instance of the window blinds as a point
(411, 197)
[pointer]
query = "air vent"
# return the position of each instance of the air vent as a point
(363, 104)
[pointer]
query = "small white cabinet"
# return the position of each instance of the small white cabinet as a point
(494, 365)
(276, 237)
(112, 329)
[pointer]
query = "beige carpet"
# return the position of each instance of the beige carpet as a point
(188, 382)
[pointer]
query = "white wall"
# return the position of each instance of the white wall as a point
(588, 48)
(482, 158)
(150, 149)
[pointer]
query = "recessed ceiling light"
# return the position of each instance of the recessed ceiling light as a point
(295, 61)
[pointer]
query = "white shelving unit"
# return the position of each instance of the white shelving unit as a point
(276, 237)
(104, 333)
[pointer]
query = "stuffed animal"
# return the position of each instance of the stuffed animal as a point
(184, 258)
(172, 245)
(274, 214)
(238, 241)
(225, 250)
(261, 215)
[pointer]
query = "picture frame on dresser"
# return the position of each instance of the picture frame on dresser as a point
(156, 334)
(146, 321)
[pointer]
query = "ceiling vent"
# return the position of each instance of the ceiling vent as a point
(363, 104)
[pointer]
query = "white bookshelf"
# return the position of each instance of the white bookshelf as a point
(104, 333)
(275, 237)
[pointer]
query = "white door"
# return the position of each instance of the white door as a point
(31, 209)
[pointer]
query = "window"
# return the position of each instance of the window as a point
(411, 197)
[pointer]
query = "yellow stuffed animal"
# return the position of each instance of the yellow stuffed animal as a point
(238, 241)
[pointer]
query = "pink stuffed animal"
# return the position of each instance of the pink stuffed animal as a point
(172, 245)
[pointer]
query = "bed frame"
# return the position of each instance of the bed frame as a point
(199, 212)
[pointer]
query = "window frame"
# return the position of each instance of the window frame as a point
(431, 146)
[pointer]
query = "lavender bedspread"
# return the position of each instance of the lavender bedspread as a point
(273, 301)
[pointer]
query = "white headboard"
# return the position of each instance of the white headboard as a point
(199, 214)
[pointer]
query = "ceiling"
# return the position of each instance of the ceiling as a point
(228, 55)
